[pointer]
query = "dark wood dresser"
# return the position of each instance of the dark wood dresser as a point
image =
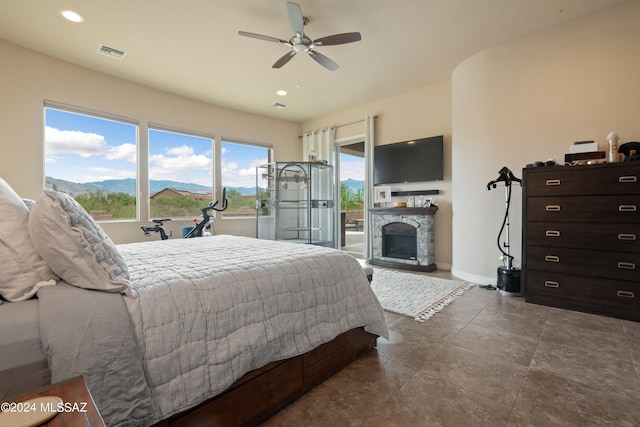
(581, 238)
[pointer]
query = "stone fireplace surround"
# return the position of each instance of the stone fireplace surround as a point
(423, 219)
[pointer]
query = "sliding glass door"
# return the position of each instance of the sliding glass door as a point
(350, 170)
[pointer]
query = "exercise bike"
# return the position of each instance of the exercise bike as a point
(197, 230)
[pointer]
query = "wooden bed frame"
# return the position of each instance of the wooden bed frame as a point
(261, 393)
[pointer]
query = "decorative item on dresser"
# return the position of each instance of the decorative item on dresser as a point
(581, 229)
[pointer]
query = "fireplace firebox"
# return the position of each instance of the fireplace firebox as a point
(399, 240)
(403, 238)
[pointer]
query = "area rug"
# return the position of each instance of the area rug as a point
(413, 294)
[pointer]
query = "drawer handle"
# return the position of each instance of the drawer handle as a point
(553, 182)
(552, 208)
(551, 284)
(626, 236)
(630, 178)
(555, 258)
(627, 208)
(626, 294)
(552, 233)
(626, 265)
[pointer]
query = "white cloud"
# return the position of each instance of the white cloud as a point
(181, 164)
(181, 151)
(101, 174)
(74, 142)
(85, 145)
(180, 159)
(126, 152)
(229, 169)
(233, 176)
(251, 169)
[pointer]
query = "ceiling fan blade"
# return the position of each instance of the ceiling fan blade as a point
(338, 39)
(295, 18)
(262, 37)
(323, 60)
(283, 60)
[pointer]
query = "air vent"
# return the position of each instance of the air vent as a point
(109, 51)
(277, 105)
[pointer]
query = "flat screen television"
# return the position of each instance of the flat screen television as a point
(409, 161)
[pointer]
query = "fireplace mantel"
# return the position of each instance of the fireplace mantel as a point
(422, 219)
(404, 211)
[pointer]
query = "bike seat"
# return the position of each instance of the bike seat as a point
(160, 221)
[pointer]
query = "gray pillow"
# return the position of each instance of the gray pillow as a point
(75, 246)
(23, 270)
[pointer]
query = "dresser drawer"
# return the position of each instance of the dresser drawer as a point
(613, 209)
(611, 237)
(620, 298)
(611, 265)
(584, 180)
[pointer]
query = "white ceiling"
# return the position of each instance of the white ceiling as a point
(192, 47)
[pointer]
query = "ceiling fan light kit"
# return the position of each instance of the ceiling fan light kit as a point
(300, 43)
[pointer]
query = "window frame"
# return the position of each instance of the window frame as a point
(100, 115)
(237, 141)
(179, 131)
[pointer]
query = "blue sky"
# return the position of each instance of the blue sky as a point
(351, 167)
(81, 148)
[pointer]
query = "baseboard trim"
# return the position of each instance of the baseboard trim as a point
(443, 266)
(474, 278)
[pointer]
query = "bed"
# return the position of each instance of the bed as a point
(222, 330)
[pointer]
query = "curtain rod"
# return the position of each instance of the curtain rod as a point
(341, 125)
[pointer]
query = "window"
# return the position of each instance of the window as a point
(239, 162)
(180, 174)
(93, 159)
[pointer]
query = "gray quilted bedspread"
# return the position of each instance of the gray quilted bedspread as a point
(208, 310)
(89, 333)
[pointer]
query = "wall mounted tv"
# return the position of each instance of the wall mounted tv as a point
(409, 161)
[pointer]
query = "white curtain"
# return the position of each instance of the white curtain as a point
(321, 141)
(369, 143)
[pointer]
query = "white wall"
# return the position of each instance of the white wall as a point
(28, 78)
(529, 100)
(420, 113)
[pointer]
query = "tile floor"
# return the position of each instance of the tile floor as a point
(486, 360)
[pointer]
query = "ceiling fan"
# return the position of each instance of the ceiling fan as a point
(300, 43)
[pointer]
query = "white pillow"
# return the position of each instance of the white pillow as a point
(23, 270)
(75, 246)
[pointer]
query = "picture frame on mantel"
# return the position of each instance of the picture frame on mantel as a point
(382, 194)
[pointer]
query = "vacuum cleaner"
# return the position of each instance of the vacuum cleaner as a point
(508, 276)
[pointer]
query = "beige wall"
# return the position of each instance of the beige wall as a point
(506, 106)
(28, 78)
(529, 100)
(420, 113)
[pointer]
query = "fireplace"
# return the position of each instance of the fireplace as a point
(399, 241)
(403, 238)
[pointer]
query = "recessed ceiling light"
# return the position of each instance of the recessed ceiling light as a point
(282, 92)
(72, 16)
